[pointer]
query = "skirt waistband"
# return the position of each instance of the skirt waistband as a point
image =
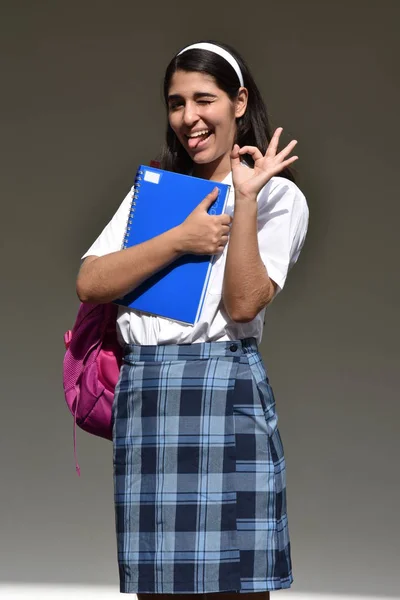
(190, 351)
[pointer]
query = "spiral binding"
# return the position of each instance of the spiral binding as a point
(135, 196)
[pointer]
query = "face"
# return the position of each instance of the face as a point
(203, 117)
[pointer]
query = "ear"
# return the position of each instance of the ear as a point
(241, 102)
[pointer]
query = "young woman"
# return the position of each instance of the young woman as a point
(199, 469)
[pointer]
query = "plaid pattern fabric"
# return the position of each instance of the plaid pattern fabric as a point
(199, 471)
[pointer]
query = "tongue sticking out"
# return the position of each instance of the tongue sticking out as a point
(194, 142)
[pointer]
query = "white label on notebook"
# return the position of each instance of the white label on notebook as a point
(152, 177)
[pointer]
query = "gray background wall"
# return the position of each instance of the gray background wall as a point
(81, 107)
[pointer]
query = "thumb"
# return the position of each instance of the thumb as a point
(209, 199)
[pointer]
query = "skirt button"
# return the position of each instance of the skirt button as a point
(233, 347)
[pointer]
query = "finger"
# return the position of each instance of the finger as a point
(225, 219)
(254, 152)
(273, 145)
(235, 156)
(286, 151)
(284, 164)
(224, 240)
(210, 198)
(290, 160)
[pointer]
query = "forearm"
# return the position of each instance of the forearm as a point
(247, 287)
(112, 276)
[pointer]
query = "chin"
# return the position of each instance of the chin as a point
(201, 160)
(204, 158)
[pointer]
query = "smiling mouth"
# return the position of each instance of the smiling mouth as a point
(196, 139)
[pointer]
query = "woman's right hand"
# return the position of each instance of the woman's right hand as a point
(202, 233)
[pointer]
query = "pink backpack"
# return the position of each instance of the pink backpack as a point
(91, 369)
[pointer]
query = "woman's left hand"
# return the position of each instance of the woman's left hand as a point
(249, 182)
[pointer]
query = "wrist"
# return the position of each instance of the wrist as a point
(177, 240)
(245, 206)
(250, 197)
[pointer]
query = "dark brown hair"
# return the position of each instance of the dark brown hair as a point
(253, 128)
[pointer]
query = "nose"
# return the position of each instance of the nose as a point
(190, 115)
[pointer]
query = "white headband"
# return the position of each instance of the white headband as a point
(217, 50)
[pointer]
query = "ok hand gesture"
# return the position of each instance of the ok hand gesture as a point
(249, 182)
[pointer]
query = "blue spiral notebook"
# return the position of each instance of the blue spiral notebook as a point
(162, 200)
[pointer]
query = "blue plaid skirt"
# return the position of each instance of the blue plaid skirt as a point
(199, 471)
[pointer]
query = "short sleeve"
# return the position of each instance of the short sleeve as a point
(111, 238)
(282, 223)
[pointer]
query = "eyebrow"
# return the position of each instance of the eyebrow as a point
(196, 95)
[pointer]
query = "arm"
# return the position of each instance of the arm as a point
(102, 279)
(113, 274)
(247, 288)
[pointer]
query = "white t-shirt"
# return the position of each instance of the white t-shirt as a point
(282, 225)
